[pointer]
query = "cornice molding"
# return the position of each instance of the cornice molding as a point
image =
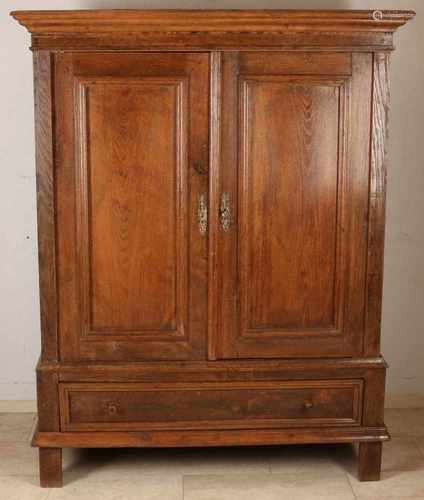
(208, 21)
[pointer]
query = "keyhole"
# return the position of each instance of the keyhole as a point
(112, 409)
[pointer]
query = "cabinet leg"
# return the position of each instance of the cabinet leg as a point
(369, 461)
(50, 467)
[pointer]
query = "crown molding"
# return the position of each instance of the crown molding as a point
(362, 30)
(207, 21)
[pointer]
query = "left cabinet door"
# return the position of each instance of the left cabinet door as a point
(131, 182)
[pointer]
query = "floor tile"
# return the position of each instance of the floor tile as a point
(32, 429)
(389, 498)
(118, 463)
(21, 488)
(402, 454)
(267, 487)
(16, 426)
(293, 472)
(312, 459)
(396, 484)
(18, 459)
(141, 488)
(405, 422)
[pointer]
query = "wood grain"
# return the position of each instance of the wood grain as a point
(210, 405)
(48, 401)
(46, 222)
(373, 407)
(124, 20)
(293, 41)
(213, 29)
(288, 204)
(67, 271)
(51, 467)
(139, 262)
(50, 459)
(215, 160)
(156, 334)
(305, 63)
(222, 289)
(377, 201)
(45, 143)
(229, 370)
(133, 198)
(262, 312)
(370, 461)
(170, 439)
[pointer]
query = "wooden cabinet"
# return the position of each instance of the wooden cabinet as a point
(211, 227)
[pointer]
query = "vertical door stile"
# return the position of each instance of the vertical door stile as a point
(214, 193)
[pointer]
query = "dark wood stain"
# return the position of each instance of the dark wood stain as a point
(45, 161)
(377, 203)
(207, 405)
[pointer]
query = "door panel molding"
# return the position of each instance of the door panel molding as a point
(175, 328)
(152, 188)
(341, 333)
(247, 84)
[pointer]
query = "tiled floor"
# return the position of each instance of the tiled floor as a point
(265, 473)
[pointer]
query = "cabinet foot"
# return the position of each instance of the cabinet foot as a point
(369, 466)
(50, 467)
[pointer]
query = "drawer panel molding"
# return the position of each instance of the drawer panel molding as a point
(225, 405)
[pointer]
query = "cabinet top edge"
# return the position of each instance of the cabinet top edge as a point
(56, 22)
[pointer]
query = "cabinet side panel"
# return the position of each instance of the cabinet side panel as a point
(44, 144)
(67, 275)
(48, 401)
(358, 179)
(373, 408)
(377, 200)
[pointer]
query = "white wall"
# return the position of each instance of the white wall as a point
(403, 331)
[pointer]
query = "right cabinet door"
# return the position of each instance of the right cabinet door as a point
(292, 189)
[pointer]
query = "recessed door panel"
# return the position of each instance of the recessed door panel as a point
(299, 144)
(291, 129)
(140, 256)
(133, 137)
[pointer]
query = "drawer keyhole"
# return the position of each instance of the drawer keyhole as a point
(308, 405)
(111, 408)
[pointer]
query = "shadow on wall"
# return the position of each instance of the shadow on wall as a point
(215, 4)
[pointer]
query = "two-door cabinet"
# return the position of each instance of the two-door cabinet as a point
(211, 191)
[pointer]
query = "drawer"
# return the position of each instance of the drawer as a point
(226, 405)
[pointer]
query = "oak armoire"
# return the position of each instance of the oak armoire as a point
(211, 192)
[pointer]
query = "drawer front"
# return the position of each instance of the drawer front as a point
(229, 405)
